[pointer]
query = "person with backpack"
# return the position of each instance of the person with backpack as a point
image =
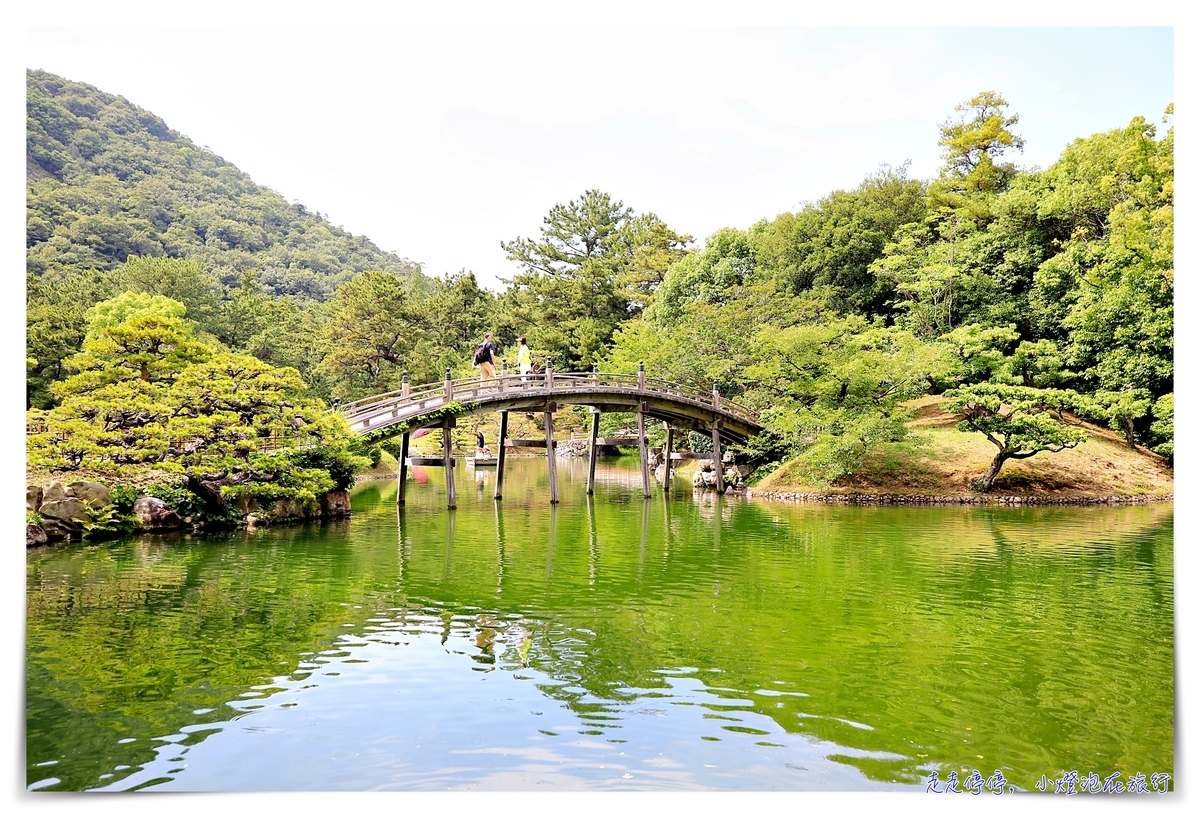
(485, 358)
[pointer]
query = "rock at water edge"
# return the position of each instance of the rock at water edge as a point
(34, 535)
(336, 504)
(55, 491)
(69, 509)
(152, 514)
(98, 494)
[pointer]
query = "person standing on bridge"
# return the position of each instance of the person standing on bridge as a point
(485, 358)
(524, 358)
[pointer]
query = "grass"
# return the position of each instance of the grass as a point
(38, 476)
(938, 459)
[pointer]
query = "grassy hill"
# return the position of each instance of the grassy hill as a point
(937, 459)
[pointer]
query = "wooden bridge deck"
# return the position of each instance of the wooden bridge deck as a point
(439, 405)
(681, 406)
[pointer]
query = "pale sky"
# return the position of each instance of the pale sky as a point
(438, 143)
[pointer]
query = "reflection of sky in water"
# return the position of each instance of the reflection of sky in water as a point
(392, 708)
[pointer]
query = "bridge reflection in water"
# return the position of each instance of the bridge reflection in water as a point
(438, 406)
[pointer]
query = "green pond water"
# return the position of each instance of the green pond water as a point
(681, 643)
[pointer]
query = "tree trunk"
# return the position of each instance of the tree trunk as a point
(986, 483)
(1129, 433)
(210, 494)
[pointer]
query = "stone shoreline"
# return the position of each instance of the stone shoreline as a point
(68, 511)
(868, 499)
(955, 500)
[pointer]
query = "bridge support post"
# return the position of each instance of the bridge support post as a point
(500, 455)
(402, 477)
(720, 467)
(642, 453)
(592, 447)
(667, 460)
(551, 461)
(448, 459)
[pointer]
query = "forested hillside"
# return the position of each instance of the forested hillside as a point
(109, 180)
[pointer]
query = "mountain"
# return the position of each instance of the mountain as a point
(107, 180)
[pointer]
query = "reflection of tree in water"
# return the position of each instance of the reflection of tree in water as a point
(901, 641)
(485, 638)
(588, 678)
(140, 637)
(904, 626)
(916, 623)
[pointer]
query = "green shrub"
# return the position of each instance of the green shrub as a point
(123, 498)
(178, 499)
(106, 521)
(760, 473)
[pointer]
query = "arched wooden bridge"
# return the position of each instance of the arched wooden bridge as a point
(438, 406)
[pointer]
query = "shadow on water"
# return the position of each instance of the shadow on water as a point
(754, 645)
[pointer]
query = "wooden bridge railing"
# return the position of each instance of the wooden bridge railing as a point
(507, 391)
(431, 396)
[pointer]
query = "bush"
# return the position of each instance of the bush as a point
(123, 498)
(698, 442)
(761, 473)
(341, 462)
(372, 453)
(178, 499)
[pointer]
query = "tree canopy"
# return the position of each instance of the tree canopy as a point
(1016, 419)
(596, 264)
(147, 395)
(973, 144)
